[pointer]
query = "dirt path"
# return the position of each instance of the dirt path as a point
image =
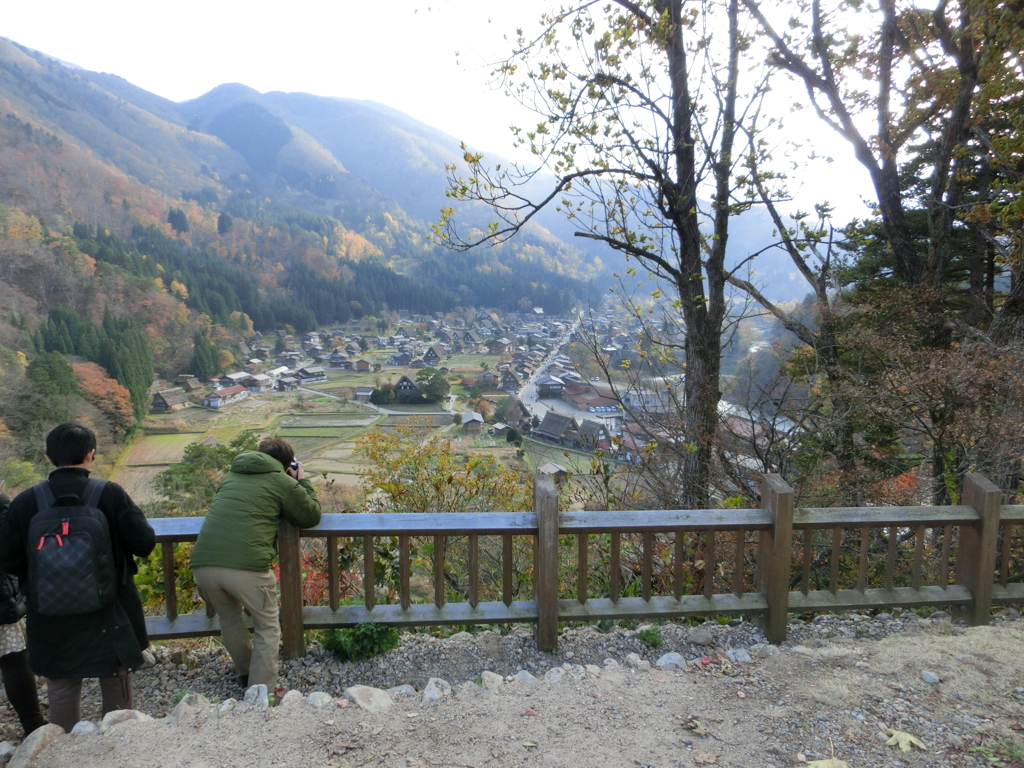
(774, 711)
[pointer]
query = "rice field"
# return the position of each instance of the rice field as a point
(361, 419)
(138, 481)
(161, 449)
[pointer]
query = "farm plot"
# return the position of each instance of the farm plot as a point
(139, 482)
(338, 433)
(161, 449)
(362, 419)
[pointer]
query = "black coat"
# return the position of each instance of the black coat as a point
(89, 644)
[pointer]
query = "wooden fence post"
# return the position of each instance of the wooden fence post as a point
(545, 566)
(976, 552)
(775, 555)
(290, 567)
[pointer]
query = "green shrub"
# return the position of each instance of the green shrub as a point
(362, 641)
(651, 636)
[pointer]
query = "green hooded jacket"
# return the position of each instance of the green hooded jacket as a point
(240, 530)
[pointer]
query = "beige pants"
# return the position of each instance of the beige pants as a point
(229, 590)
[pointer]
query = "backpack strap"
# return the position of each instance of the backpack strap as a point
(90, 495)
(44, 496)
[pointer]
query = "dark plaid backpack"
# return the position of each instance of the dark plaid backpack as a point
(70, 559)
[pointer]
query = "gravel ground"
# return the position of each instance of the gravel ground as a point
(838, 682)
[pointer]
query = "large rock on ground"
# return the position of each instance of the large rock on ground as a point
(35, 743)
(368, 698)
(436, 690)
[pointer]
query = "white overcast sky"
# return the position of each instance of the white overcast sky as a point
(401, 53)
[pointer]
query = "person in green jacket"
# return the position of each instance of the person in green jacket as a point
(232, 556)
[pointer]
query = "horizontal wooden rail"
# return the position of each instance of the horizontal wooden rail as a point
(636, 548)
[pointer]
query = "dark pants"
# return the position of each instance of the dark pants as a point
(20, 684)
(65, 696)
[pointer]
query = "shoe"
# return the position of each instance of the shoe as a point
(243, 680)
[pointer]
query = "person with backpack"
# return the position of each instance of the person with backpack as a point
(232, 556)
(19, 682)
(71, 540)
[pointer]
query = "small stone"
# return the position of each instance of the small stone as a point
(256, 696)
(671, 660)
(148, 659)
(593, 669)
(84, 728)
(883, 617)
(461, 636)
(939, 615)
(735, 622)
(763, 649)
(701, 636)
(575, 671)
(801, 649)
(291, 699)
(401, 690)
(633, 660)
(524, 677)
(226, 707)
(119, 716)
(6, 750)
(930, 677)
(35, 743)
(555, 675)
(491, 681)
(365, 697)
(609, 663)
(436, 690)
(319, 699)
(739, 656)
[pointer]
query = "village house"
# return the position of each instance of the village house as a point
(510, 381)
(472, 422)
(311, 373)
(258, 383)
(168, 400)
(487, 380)
(406, 387)
(558, 473)
(593, 435)
(363, 365)
(549, 386)
(555, 428)
(433, 355)
(287, 383)
(362, 394)
(225, 396)
(232, 379)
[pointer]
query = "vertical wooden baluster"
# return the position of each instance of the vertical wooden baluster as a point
(474, 570)
(918, 556)
(862, 573)
(837, 543)
(890, 558)
(506, 568)
(947, 533)
(403, 571)
(615, 568)
(332, 572)
(369, 574)
(677, 565)
(439, 571)
(170, 582)
(740, 562)
(709, 563)
(646, 566)
(582, 567)
(1004, 558)
(805, 577)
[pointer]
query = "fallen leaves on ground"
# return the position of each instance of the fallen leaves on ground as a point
(903, 740)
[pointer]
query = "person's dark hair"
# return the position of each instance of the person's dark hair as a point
(278, 449)
(69, 444)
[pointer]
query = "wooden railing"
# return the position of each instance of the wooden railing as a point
(760, 566)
